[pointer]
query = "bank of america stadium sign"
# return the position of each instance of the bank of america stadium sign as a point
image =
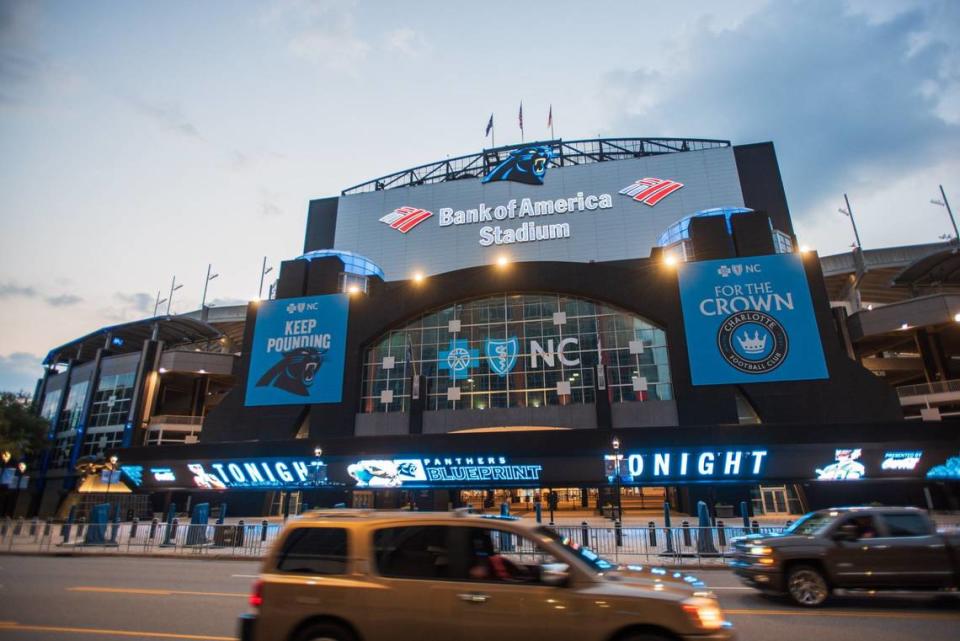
(540, 220)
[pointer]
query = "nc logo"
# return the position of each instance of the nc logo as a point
(502, 354)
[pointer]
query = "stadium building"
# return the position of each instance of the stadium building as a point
(487, 328)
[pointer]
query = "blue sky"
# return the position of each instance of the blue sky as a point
(139, 140)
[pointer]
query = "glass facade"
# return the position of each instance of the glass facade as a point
(517, 350)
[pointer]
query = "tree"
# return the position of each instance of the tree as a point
(22, 433)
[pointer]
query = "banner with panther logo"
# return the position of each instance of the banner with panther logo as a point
(750, 320)
(298, 349)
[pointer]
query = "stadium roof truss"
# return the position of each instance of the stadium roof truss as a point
(565, 154)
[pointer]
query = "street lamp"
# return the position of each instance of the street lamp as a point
(113, 465)
(616, 460)
(160, 301)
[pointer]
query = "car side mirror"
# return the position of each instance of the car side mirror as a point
(555, 574)
(846, 532)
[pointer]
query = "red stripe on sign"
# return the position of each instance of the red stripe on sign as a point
(649, 191)
(413, 220)
(407, 214)
(663, 193)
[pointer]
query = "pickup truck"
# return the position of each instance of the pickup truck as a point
(851, 549)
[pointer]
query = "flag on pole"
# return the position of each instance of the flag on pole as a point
(550, 117)
(489, 126)
(521, 116)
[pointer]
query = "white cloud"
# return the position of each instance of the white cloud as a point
(321, 32)
(407, 41)
(19, 372)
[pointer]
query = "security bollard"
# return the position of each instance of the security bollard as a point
(618, 533)
(755, 525)
(18, 527)
(115, 529)
(153, 528)
(172, 532)
(685, 528)
(538, 512)
(238, 539)
(652, 533)
(81, 523)
(721, 534)
(47, 528)
(263, 531)
(34, 524)
(585, 531)
(133, 527)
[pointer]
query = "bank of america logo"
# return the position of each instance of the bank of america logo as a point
(650, 191)
(406, 218)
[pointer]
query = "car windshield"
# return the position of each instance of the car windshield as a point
(810, 524)
(591, 558)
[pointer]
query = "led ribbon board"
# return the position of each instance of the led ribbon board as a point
(686, 465)
(750, 320)
(298, 351)
(440, 471)
(266, 473)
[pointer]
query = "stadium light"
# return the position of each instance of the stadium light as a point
(503, 261)
(943, 202)
(353, 289)
(418, 277)
(669, 260)
(263, 272)
(203, 300)
(804, 249)
(848, 212)
(173, 287)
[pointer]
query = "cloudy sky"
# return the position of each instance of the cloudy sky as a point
(139, 140)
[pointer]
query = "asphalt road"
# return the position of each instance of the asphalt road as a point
(72, 599)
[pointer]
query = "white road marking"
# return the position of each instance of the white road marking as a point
(245, 576)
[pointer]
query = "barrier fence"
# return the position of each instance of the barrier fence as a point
(683, 545)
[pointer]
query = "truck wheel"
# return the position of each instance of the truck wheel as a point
(325, 632)
(806, 586)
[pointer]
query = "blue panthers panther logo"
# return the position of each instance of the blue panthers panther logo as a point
(295, 371)
(527, 165)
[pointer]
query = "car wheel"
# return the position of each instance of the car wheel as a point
(325, 632)
(807, 587)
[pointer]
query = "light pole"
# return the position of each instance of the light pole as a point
(21, 467)
(943, 202)
(203, 301)
(317, 451)
(616, 460)
(160, 301)
(173, 287)
(263, 273)
(113, 465)
(848, 212)
(5, 456)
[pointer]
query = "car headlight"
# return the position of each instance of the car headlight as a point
(760, 550)
(706, 613)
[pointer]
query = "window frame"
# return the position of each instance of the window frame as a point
(283, 553)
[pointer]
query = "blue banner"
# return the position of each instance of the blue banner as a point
(298, 351)
(750, 320)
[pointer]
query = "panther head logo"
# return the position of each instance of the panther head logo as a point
(295, 371)
(527, 165)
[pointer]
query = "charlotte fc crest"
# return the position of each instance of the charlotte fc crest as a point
(502, 354)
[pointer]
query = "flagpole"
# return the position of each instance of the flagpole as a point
(493, 136)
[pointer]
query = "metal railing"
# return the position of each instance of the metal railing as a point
(685, 545)
(936, 387)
